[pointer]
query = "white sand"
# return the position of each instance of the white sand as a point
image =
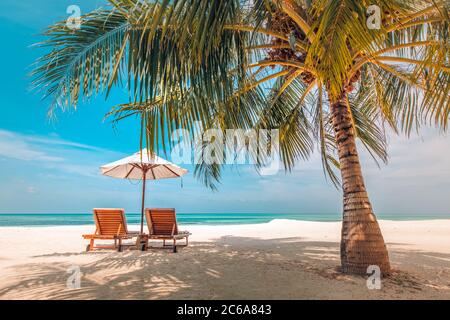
(281, 259)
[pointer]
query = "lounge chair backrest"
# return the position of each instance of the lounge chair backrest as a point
(110, 222)
(161, 222)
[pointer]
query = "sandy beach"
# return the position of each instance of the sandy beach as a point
(283, 259)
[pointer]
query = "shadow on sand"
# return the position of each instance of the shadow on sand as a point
(229, 268)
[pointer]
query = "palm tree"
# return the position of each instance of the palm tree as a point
(311, 68)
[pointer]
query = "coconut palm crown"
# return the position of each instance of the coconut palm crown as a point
(316, 70)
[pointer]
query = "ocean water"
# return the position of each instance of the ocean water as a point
(29, 220)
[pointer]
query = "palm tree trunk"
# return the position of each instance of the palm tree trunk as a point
(362, 243)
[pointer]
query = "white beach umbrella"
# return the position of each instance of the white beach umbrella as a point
(143, 166)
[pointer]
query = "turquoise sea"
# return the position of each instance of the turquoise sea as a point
(14, 220)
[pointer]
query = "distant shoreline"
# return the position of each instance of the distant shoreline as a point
(212, 219)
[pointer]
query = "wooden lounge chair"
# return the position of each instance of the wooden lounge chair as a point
(162, 225)
(110, 224)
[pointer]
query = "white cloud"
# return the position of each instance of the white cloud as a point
(417, 177)
(32, 190)
(54, 139)
(17, 146)
(416, 180)
(52, 153)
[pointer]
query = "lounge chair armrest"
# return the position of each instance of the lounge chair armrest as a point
(124, 236)
(97, 236)
(134, 233)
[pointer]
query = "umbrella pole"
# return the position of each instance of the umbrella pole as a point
(144, 174)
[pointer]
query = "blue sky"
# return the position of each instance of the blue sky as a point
(52, 166)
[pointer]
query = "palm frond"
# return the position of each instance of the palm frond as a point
(84, 61)
(258, 64)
